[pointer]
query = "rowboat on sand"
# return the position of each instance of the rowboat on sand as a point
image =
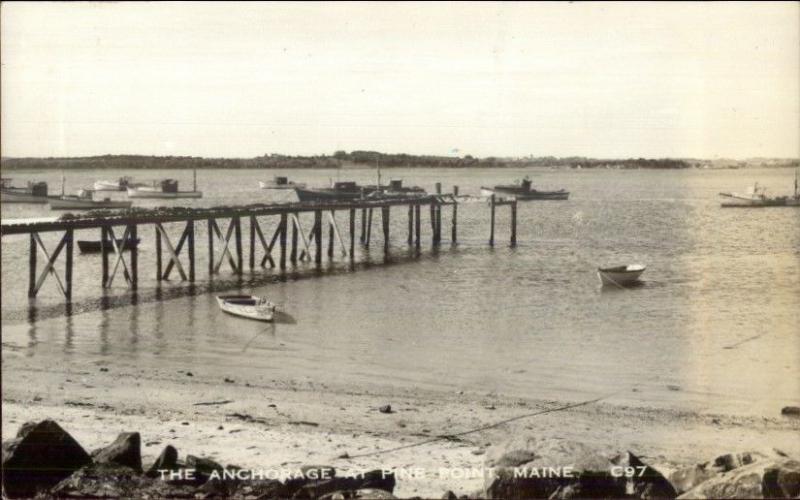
(247, 306)
(620, 276)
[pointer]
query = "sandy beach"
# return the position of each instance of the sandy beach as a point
(284, 424)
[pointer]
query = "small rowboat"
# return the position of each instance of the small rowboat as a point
(620, 275)
(247, 306)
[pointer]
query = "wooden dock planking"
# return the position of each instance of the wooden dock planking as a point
(130, 220)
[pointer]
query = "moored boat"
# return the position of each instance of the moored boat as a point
(280, 182)
(524, 191)
(121, 184)
(96, 246)
(84, 200)
(340, 191)
(247, 306)
(166, 189)
(756, 197)
(620, 276)
(34, 192)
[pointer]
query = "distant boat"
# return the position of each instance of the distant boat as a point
(247, 306)
(524, 191)
(121, 184)
(166, 189)
(395, 188)
(340, 191)
(95, 246)
(84, 200)
(280, 182)
(620, 275)
(35, 192)
(756, 197)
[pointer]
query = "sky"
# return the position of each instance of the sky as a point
(606, 80)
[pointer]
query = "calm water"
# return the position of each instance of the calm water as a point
(715, 327)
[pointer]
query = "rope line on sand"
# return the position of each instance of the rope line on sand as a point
(479, 429)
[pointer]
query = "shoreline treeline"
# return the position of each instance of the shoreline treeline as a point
(366, 159)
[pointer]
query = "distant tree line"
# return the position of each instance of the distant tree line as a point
(372, 159)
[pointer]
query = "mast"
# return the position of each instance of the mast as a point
(63, 181)
(194, 180)
(379, 173)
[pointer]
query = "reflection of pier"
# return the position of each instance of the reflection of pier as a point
(225, 246)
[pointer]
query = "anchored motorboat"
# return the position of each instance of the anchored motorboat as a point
(84, 200)
(280, 182)
(524, 191)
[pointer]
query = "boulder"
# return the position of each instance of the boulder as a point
(40, 456)
(262, 489)
(791, 411)
(646, 482)
(364, 493)
(125, 450)
(730, 461)
(376, 479)
(168, 460)
(110, 480)
(761, 479)
(532, 467)
(203, 467)
(686, 478)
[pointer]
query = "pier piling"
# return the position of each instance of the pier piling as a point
(128, 260)
(491, 224)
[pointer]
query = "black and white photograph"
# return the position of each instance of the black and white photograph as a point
(376, 250)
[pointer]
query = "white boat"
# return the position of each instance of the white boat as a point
(280, 182)
(119, 185)
(166, 189)
(85, 200)
(620, 276)
(247, 306)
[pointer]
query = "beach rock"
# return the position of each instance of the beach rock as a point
(40, 456)
(365, 493)
(168, 460)
(791, 411)
(203, 467)
(782, 480)
(646, 482)
(761, 479)
(125, 450)
(385, 409)
(110, 480)
(730, 461)
(449, 495)
(376, 479)
(532, 467)
(262, 489)
(686, 478)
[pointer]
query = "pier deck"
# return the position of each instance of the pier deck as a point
(298, 246)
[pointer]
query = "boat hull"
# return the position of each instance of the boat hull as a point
(162, 195)
(316, 195)
(288, 185)
(526, 195)
(11, 197)
(77, 204)
(246, 307)
(620, 276)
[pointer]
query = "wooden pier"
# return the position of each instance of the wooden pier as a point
(225, 240)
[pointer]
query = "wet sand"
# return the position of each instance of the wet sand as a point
(281, 424)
